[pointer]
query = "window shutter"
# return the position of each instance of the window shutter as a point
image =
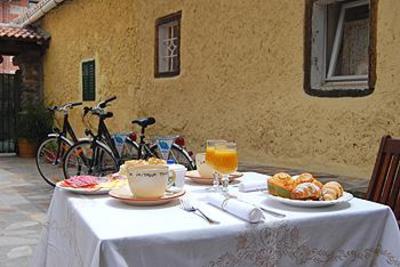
(89, 80)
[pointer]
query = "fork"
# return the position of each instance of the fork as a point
(188, 206)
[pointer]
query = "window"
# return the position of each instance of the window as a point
(88, 80)
(167, 52)
(340, 44)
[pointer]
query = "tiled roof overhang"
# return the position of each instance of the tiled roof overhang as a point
(25, 34)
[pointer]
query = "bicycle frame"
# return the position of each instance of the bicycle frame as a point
(103, 136)
(144, 148)
(66, 129)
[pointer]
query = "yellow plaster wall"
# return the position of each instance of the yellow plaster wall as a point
(99, 29)
(241, 78)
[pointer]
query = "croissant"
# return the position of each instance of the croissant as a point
(331, 191)
(317, 183)
(304, 178)
(306, 191)
(307, 178)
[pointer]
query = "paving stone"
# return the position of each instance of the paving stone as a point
(9, 241)
(25, 233)
(19, 225)
(18, 252)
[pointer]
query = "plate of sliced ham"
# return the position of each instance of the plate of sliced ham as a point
(89, 185)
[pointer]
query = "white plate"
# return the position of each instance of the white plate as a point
(312, 204)
(84, 191)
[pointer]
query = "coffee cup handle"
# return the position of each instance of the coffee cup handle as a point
(171, 178)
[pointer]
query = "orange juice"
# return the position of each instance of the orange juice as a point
(225, 160)
(210, 156)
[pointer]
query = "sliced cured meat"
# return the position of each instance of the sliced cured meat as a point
(81, 181)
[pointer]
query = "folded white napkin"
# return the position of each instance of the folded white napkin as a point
(243, 210)
(249, 186)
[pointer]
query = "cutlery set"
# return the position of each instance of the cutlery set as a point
(187, 205)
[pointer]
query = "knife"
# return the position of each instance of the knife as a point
(273, 213)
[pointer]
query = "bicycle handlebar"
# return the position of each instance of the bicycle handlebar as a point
(76, 104)
(104, 103)
(99, 109)
(64, 107)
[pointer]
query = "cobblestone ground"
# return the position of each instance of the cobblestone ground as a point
(25, 197)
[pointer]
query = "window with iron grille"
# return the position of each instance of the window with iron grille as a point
(167, 54)
(341, 48)
(88, 80)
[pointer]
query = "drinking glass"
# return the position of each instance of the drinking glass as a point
(225, 160)
(210, 157)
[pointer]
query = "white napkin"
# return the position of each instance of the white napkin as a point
(243, 210)
(249, 186)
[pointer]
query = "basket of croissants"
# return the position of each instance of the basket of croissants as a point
(303, 187)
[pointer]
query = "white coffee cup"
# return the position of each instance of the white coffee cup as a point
(202, 167)
(150, 182)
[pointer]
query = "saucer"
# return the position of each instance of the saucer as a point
(197, 178)
(124, 195)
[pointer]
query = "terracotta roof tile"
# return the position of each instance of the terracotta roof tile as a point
(22, 34)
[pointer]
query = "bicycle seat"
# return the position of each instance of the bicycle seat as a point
(144, 122)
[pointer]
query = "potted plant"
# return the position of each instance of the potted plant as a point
(33, 124)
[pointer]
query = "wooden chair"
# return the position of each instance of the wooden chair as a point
(384, 186)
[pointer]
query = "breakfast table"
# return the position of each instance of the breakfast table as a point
(89, 230)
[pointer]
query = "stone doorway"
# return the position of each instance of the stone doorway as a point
(27, 46)
(25, 87)
(9, 106)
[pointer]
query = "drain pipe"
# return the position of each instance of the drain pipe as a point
(35, 13)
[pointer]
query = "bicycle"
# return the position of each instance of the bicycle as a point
(146, 150)
(52, 149)
(99, 155)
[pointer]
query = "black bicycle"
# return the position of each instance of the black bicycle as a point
(50, 154)
(99, 155)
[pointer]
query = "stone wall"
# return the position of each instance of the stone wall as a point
(30, 74)
(241, 78)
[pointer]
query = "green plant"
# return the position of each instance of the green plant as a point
(34, 123)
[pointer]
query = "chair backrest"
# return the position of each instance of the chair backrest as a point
(384, 186)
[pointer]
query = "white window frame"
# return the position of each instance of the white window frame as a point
(320, 77)
(166, 55)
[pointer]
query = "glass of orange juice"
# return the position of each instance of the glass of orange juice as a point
(225, 160)
(210, 159)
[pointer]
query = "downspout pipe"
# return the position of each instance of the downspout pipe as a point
(34, 14)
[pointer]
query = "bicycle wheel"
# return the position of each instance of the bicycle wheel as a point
(130, 151)
(178, 154)
(87, 158)
(49, 159)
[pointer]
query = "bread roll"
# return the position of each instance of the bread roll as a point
(305, 191)
(304, 178)
(281, 184)
(331, 191)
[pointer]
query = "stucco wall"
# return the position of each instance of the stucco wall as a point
(241, 78)
(99, 29)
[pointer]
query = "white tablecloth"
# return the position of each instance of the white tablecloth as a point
(100, 231)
